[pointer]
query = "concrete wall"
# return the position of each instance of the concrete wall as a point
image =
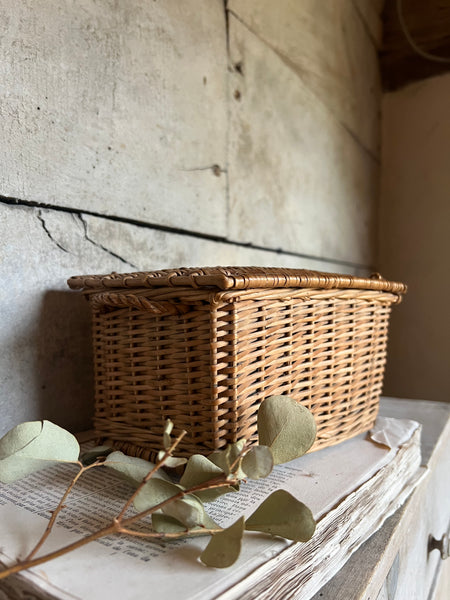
(140, 135)
(415, 236)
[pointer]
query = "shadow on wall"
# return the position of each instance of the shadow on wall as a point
(63, 363)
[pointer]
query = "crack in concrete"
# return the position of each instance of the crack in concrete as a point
(71, 210)
(47, 231)
(359, 143)
(89, 239)
(198, 235)
(227, 26)
(228, 117)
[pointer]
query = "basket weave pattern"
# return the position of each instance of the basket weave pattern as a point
(206, 357)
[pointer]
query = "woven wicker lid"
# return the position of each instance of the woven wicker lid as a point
(227, 278)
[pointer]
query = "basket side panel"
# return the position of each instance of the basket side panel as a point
(209, 367)
(326, 351)
(149, 369)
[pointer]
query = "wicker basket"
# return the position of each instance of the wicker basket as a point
(204, 347)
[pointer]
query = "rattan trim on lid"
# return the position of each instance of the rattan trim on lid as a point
(236, 278)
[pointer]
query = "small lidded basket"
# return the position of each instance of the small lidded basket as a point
(205, 346)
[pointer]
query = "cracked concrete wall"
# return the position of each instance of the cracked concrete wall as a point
(100, 108)
(138, 135)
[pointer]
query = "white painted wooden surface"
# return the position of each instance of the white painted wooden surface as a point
(396, 563)
(116, 107)
(428, 511)
(442, 589)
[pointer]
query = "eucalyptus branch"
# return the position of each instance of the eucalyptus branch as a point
(277, 415)
(120, 525)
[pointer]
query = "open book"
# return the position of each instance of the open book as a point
(351, 488)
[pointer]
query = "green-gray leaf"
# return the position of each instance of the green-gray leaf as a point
(224, 547)
(225, 458)
(154, 492)
(282, 514)
(287, 427)
(168, 426)
(166, 435)
(188, 510)
(258, 462)
(132, 468)
(162, 523)
(199, 470)
(172, 462)
(32, 446)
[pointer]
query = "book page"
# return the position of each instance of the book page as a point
(113, 564)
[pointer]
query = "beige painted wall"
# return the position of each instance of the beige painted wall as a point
(415, 236)
(139, 135)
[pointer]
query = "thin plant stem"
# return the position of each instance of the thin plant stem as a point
(150, 474)
(172, 536)
(60, 506)
(239, 456)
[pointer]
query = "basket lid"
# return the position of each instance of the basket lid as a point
(227, 278)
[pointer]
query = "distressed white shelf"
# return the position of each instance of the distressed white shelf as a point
(395, 563)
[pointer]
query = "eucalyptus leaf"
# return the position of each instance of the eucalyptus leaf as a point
(162, 523)
(90, 456)
(188, 510)
(199, 470)
(224, 547)
(168, 427)
(175, 461)
(132, 468)
(221, 459)
(167, 442)
(258, 462)
(225, 458)
(282, 514)
(154, 492)
(287, 427)
(171, 462)
(32, 446)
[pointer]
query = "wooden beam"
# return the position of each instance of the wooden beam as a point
(428, 26)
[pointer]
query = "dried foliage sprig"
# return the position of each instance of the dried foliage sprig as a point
(286, 431)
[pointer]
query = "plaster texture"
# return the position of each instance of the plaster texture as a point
(335, 57)
(117, 108)
(414, 235)
(298, 179)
